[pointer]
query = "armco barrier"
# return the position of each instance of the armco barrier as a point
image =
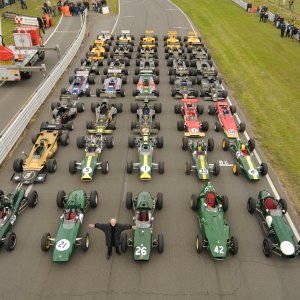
(10, 136)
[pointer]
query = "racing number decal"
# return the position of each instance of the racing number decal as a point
(203, 171)
(219, 249)
(194, 130)
(231, 131)
(87, 170)
(145, 130)
(62, 245)
(253, 172)
(141, 251)
(145, 168)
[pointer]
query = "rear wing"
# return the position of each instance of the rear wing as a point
(99, 131)
(125, 31)
(149, 32)
(172, 33)
(192, 100)
(146, 99)
(192, 34)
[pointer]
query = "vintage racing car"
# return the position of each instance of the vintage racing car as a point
(142, 241)
(11, 206)
(145, 145)
(211, 88)
(201, 165)
(125, 38)
(116, 68)
(225, 113)
(183, 87)
(146, 85)
(39, 161)
(147, 64)
(179, 67)
(111, 88)
(280, 238)
(190, 121)
(104, 38)
(172, 40)
(243, 153)
(122, 51)
(93, 148)
(192, 40)
(74, 206)
(149, 39)
(214, 229)
(203, 67)
(174, 53)
(147, 53)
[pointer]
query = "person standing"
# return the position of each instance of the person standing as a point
(112, 231)
(41, 24)
(282, 29)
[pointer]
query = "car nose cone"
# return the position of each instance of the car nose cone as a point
(287, 248)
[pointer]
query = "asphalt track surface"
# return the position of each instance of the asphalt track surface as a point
(13, 95)
(178, 273)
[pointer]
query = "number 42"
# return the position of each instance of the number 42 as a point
(219, 249)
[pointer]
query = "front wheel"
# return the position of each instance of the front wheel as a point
(267, 247)
(199, 243)
(85, 243)
(234, 245)
(45, 242)
(160, 242)
(10, 241)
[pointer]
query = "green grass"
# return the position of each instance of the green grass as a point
(113, 6)
(262, 70)
(34, 10)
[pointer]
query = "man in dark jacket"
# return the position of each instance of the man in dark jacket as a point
(112, 231)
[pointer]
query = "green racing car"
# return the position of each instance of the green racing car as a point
(214, 229)
(143, 240)
(74, 206)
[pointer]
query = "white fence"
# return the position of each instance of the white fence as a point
(10, 136)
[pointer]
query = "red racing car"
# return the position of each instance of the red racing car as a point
(190, 120)
(225, 113)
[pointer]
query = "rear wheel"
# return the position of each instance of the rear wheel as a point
(85, 242)
(216, 169)
(72, 167)
(129, 200)
(180, 125)
(236, 169)
(109, 142)
(234, 245)
(93, 199)
(160, 142)
(51, 165)
(10, 241)
(94, 105)
(55, 105)
(187, 168)
(210, 144)
(242, 127)
(263, 169)
(199, 243)
(161, 167)
(131, 141)
(80, 107)
(211, 109)
(80, 141)
(204, 126)
(134, 107)
(18, 165)
(283, 205)
(200, 109)
(124, 242)
(129, 167)
(159, 201)
(45, 242)
(104, 167)
(194, 202)
(251, 144)
(185, 143)
(32, 198)
(225, 144)
(224, 201)
(64, 139)
(158, 108)
(160, 243)
(267, 247)
(177, 109)
(60, 199)
(34, 138)
(251, 205)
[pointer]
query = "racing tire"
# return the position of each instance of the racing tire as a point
(55, 105)
(119, 107)
(124, 79)
(263, 169)
(138, 55)
(233, 109)
(200, 109)
(283, 205)
(60, 199)
(80, 107)
(157, 108)
(32, 198)
(191, 72)
(131, 141)
(129, 167)
(193, 63)
(234, 245)
(193, 81)
(159, 200)
(267, 247)
(18, 165)
(211, 109)
(129, 202)
(104, 167)
(161, 167)
(157, 125)
(156, 93)
(45, 242)
(94, 105)
(187, 168)
(137, 71)
(172, 79)
(216, 169)
(195, 94)
(134, 92)
(251, 144)
(251, 205)
(194, 202)
(137, 64)
(156, 79)
(10, 241)
(242, 127)
(80, 142)
(185, 143)
(225, 144)
(71, 79)
(109, 142)
(122, 92)
(160, 142)
(112, 125)
(210, 144)
(94, 199)
(204, 126)
(177, 109)
(98, 92)
(85, 242)
(105, 71)
(180, 125)
(224, 200)
(225, 94)
(64, 139)
(72, 167)
(89, 125)
(63, 91)
(34, 138)
(124, 242)
(170, 62)
(88, 92)
(236, 169)
(135, 79)
(133, 125)
(173, 93)
(160, 243)
(156, 61)
(170, 71)
(156, 71)
(51, 165)
(70, 126)
(199, 243)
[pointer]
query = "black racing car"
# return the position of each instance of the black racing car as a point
(183, 87)
(145, 64)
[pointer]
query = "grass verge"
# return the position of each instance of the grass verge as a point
(113, 6)
(262, 70)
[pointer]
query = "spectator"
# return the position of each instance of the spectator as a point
(49, 7)
(249, 6)
(59, 5)
(23, 4)
(41, 24)
(282, 29)
(291, 4)
(289, 30)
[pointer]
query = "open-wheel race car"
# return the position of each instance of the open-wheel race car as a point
(146, 84)
(149, 40)
(211, 88)
(243, 153)
(174, 53)
(214, 233)
(62, 113)
(192, 40)
(179, 67)
(147, 53)
(183, 87)
(143, 240)
(92, 64)
(190, 122)
(104, 38)
(203, 67)
(122, 51)
(11, 206)
(199, 53)
(97, 53)
(146, 64)
(225, 113)
(79, 84)
(145, 114)
(92, 159)
(39, 162)
(74, 205)
(145, 145)
(111, 88)
(200, 166)
(280, 238)
(125, 38)
(172, 40)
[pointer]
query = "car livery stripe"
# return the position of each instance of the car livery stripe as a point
(249, 161)
(144, 174)
(203, 166)
(88, 165)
